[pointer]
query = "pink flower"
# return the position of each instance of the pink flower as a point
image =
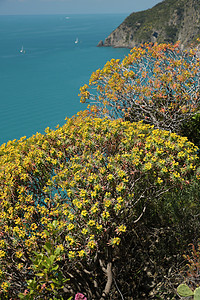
(80, 296)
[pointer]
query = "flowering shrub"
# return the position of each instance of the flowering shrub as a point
(158, 84)
(69, 197)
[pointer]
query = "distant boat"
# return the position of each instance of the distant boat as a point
(76, 41)
(22, 50)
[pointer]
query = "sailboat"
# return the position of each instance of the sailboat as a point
(76, 41)
(22, 50)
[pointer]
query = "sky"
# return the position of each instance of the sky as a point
(27, 7)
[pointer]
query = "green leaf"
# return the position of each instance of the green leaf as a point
(197, 294)
(48, 247)
(40, 274)
(55, 281)
(52, 258)
(184, 290)
(52, 286)
(54, 223)
(55, 268)
(47, 233)
(58, 250)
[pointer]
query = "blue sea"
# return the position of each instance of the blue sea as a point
(39, 86)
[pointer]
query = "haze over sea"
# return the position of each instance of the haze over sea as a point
(39, 88)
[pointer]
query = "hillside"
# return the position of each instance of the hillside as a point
(168, 21)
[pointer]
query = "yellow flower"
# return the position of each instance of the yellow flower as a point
(84, 231)
(71, 254)
(148, 166)
(110, 177)
(81, 253)
(159, 180)
(2, 243)
(120, 188)
(94, 209)
(176, 174)
(77, 177)
(2, 253)
(102, 170)
(93, 194)
(97, 187)
(99, 227)
(91, 244)
(84, 213)
(19, 266)
(70, 226)
(121, 228)
(83, 193)
(181, 154)
(70, 240)
(115, 241)
(120, 200)
(118, 206)
(121, 174)
(164, 170)
(91, 223)
(108, 195)
(92, 177)
(18, 221)
(107, 203)
(33, 226)
(69, 193)
(71, 217)
(105, 214)
(19, 254)
(4, 286)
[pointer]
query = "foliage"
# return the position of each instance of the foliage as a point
(70, 198)
(184, 291)
(191, 129)
(48, 280)
(158, 84)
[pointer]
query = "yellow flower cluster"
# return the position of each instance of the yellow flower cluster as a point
(170, 76)
(82, 200)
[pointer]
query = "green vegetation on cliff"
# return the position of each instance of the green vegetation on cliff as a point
(168, 21)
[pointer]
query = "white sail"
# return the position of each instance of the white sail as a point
(22, 50)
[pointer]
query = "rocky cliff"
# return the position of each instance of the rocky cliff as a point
(168, 21)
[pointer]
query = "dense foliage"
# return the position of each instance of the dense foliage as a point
(158, 84)
(146, 21)
(72, 197)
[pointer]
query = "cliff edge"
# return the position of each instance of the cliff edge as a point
(168, 21)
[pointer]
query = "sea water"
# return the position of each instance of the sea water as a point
(42, 68)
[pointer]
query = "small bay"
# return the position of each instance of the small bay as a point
(40, 84)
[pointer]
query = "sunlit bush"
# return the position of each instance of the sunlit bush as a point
(158, 84)
(69, 198)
